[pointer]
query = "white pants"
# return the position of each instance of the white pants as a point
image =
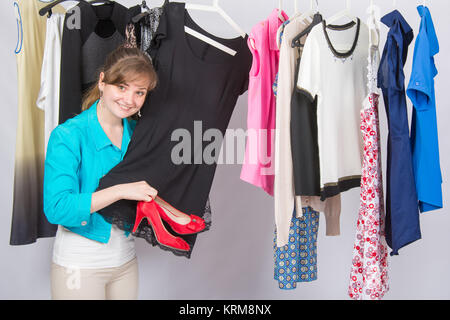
(120, 283)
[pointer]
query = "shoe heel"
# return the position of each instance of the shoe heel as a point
(163, 237)
(139, 216)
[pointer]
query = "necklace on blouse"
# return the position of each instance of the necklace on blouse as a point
(341, 56)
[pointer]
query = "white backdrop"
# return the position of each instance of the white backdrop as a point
(234, 260)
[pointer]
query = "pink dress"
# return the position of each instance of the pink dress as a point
(258, 168)
(369, 272)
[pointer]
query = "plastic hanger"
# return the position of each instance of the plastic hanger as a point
(141, 15)
(280, 9)
(214, 7)
(210, 41)
(101, 1)
(346, 13)
(373, 20)
(312, 10)
(317, 18)
(369, 11)
(48, 8)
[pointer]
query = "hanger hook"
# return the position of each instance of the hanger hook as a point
(312, 4)
(280, 10)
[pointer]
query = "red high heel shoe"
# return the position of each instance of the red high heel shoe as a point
(149, 210)
(195, 225)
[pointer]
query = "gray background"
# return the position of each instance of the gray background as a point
(234, 260)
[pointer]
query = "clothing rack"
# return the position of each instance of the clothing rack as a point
(215, 7)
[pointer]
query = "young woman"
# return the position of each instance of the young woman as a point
(93, 259)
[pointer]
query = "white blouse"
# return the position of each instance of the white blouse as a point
(334, 68)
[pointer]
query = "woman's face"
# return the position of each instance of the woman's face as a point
(124, 100)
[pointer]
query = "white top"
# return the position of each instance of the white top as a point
(48, 98)
(73, 250)
(284, 191)
(340, 83)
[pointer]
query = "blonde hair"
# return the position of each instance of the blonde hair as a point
(122, 65)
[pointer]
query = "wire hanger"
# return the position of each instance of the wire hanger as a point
(317, 18)
(213, 8)
(48, 8)
(346, 13)
(394, 4)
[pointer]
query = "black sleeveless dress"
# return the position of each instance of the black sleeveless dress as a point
(197, 91)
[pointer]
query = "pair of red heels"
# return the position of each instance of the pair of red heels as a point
(154, 212)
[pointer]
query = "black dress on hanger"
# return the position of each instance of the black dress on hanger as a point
(90, 33)
(198, 89)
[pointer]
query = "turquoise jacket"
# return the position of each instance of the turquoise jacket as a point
(79, 154)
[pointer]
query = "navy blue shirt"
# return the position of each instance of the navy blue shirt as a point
(424, 133)
(402, 213)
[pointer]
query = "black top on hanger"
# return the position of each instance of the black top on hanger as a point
(141, 15)
(316, 20)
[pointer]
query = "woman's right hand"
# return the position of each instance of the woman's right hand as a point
(139, 191)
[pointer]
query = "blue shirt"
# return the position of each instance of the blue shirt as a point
(424, 134)
(402, 212)
(79, 153)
